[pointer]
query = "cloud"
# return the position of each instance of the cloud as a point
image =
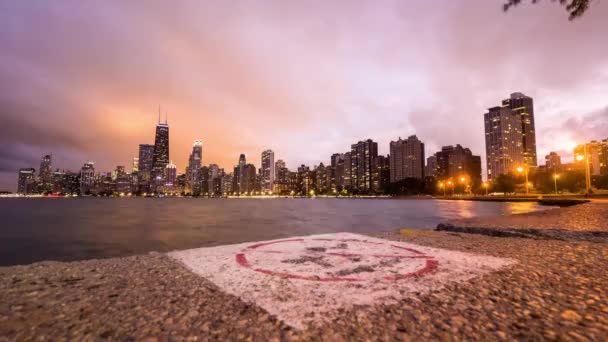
(307, 79)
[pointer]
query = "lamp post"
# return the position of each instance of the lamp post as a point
(452, 184)
(464, 182)
(555, 177)
(585, 157)
(442, 187)
(524, 169)
(485, 185)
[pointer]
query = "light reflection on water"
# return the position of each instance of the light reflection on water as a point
(83, 228)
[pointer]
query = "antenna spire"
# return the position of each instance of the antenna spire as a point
(159, 114)
(166, 117)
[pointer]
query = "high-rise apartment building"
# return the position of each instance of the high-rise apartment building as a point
(268, 171)
(363, 155)
(406, 159)
(524, 106)
(504, 141)
(597, 156)
(26, 183)
(455, 162)
(281, 177)
(45, 174)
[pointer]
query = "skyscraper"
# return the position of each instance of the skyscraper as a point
(87, 178)
(45, 174)
(504, 141)
(239, 175)
(524, 106)
(146, 156)
(26, 182)
(268, 172)
(161, 150)
(363, 155)
(193, 176)
(171, 174)
(406, 159)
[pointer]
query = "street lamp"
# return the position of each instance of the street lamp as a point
(442, 187)
(555, 177)
(452, 184)
(463, 181)
(485, 185)
(587, 171)
(524, 169)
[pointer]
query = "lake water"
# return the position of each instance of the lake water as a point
(36, 229)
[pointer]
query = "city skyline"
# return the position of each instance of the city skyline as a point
(339, 77)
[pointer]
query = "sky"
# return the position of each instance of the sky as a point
(83, 80)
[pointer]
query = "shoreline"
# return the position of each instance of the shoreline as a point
(555, 289)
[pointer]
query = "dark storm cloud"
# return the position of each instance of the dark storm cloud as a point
(83, 79)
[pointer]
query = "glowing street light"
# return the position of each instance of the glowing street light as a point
(442, 186)
(524, 169)
(585, 157)
(452, 185)
(555, 177)
(485, 185)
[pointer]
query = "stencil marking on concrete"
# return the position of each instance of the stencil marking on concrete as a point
(306, 280)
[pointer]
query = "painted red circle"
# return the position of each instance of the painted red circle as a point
(429, 267)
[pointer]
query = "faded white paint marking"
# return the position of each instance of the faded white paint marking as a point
(304, 280)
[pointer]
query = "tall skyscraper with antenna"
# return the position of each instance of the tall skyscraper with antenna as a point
(160, 159)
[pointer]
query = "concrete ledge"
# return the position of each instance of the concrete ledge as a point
(556, 234)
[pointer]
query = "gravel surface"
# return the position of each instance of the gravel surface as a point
(556, 291)
(587, 222)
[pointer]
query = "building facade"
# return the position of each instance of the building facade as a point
(362, 160)
(87, 178)
(523, 106)
(406, 159)
(455, 162)
(268, 171)
(504, 141)
(160, 159)
(45, 174)
(26, 183)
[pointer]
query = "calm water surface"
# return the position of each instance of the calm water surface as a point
(35, 229)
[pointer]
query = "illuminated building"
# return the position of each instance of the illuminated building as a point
(171, 174)
(160, 159)
(523, 106)
(504, 142)
(406, 159)
(455, 162)
(87, 178)
(193, 171)
(597, 154)
(26, 183)
(362, 155)
(135, 166)
(45, 174)
(268, 171)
